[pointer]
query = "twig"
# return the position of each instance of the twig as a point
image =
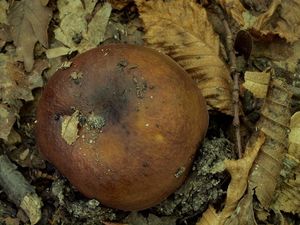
(19, 190)
(235, 75)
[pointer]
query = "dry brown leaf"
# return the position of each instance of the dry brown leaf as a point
(274, 123)
(74, 31)
(29, 21)
(235, 9)
(15, 86)
(287, 197)
(244, 213)
(239, 170)
(286, 24)
(288, 194)
(281, 53)
(282, 18)
(119, 4)
(257, 83)
(3, 9)
(8, 115)
(210, 217)
(294, 140)
(96, 29)
(190, 40)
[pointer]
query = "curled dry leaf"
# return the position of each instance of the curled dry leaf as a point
(288, 194)
(282, 18)
(239, 170)
(74, 31)
(29, 21)
(191, 41)
(257, 83)
(274, 123)
(15, 86)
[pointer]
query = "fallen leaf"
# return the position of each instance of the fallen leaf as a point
(274, 123)
(29, 21)
(244, 213)
(15, 86)
(294, 141)
(69, 127)
(286, 24)
(235, 9)
(257, 83)
(74, 31)
(96, 29)
(8, 116)
(281, 18)
(3, 10)
(119, 4)
(210, 217)
(291, 61)
(14, 83)
(190, 41)
(287, 196)
(239, 170)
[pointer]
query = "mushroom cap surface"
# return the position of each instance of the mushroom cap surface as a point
(138, 121)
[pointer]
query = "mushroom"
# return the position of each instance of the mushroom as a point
(123, 124)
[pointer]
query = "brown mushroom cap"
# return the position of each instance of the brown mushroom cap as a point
(140, 120)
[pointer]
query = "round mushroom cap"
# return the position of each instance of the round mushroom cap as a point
(123, 124)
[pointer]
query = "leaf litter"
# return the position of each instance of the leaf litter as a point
(264, 182)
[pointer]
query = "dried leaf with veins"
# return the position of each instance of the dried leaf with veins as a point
(274, 123)
(29, 20)
(239, 171)
(15, 86)
(190, 40)
(282, 18)
(74, 31)
(257, 83)
(287, 196)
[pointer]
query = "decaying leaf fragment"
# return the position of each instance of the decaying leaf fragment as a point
(191, 41)
(274, 123)
(74, 30)
(3, 9)
(29, 20)
(257, 83)
(239, 170)
(282, 18)
(119, 4)
(8, 115)
(15, 86)
(288, 194)
(69, 127)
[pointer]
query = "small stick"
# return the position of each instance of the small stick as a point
(235, 75)
(18, 190)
